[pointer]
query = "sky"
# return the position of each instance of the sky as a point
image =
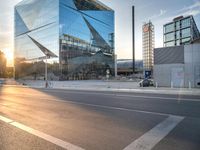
(159, 12)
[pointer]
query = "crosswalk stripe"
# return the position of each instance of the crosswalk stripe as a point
(155, 135)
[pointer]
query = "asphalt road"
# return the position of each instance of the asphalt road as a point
(42, 119)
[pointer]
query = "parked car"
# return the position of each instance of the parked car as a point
(146, 83)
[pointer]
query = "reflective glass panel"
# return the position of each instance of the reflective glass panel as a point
(177, 34)
(36, 37)
(169, 28)
(185, 23)
(169, 44)
(185, 32)
(177, 25)
(86, 39)
(169, 36)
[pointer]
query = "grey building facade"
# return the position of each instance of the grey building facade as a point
(77, 37)
(182, 30)
(177, 66)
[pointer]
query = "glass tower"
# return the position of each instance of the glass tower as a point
(182, 30)
(77, 37)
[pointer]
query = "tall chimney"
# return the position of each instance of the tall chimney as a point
(133, 30)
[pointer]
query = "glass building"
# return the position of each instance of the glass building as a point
(148, 45)
(75, 36)
(182, 30)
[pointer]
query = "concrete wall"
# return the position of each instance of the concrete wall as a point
(192, 64)
(163, 74)
(182, 75)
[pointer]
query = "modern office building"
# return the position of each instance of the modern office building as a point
(75, 36)
(148, 46)
(182, 30)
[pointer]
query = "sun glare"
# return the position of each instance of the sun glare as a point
(9, 56)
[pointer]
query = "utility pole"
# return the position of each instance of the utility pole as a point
(133, 30)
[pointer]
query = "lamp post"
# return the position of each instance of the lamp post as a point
(115, 66)
(46, 81)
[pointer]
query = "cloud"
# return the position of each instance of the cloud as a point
(193, 6)
(191, 12)
(193, 9)
(161, 13)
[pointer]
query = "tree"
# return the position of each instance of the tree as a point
(2, 64)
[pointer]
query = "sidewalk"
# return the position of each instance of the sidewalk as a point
(114, 86)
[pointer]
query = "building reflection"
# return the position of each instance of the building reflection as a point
(77, 36)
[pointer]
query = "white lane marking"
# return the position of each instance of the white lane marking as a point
(155, 135)
(123, 95)
(42, 135)
(6, 120)
(109, 107)
(161, 98)
(114, 94)
(105, 107)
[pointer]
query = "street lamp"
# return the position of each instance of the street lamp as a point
(115, 57)
(46, 81)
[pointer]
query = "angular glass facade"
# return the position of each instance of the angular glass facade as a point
(77, 37)
(182, 30)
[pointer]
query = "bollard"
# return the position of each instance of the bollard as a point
(171, 84)
(156, 84)
(189, 85)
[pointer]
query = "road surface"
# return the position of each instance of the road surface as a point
(38, 119)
